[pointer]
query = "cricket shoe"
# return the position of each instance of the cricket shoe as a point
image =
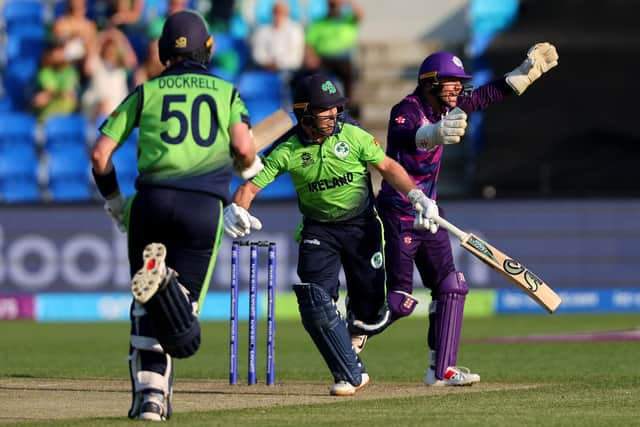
(453, 376)
(344, 388)
(358, 342)
(153, 275)
(153, 408)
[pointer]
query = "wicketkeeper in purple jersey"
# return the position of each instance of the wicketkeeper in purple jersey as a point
(433, 115)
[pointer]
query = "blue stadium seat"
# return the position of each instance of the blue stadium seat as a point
(257, 84)
(26, 42)
(261, 91)
(280, 189)
(65, 129)
(19, 175)
(125, 160)
(222, 42)
(17, 130)
(24, 48)
(243, 51)
(6, 104)
(68, 173)
(18, 13)
(19, 79)
(261, 108)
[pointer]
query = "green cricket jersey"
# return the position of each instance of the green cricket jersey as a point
(183, 118)
(331, 179)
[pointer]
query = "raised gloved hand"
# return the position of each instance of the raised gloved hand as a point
(449, 130)
(238, 222)
(541, 57)
(426, 210)
(249, 172)
(115, 209)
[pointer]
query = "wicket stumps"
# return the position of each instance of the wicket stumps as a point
(253, 311)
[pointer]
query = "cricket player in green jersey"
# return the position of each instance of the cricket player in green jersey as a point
(327, 160)
(193, 130)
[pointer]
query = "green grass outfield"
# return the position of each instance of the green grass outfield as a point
(580, 383)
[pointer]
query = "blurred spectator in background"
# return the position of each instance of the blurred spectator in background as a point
(150, 67)
(173, 6)
(77, 32)
(133, 18)
(332, 42)
(58, 83)
(279, 46)
(109, 69)
(126, 12)
(218, 15)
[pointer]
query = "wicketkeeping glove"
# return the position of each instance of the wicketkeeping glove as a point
(238, 222)
(426, 210)
(115, 209)
(541, 57)
(449, 130)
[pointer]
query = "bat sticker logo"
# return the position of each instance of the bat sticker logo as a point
(533, 281)
(481, 247)
(514, 268)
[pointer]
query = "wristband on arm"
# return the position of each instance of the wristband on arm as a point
(107, 184)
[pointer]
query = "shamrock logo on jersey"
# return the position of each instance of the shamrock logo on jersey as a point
(341, 149)
(328, 87)
(307, 160)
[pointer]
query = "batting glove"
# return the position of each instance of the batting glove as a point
(426, 210)
(541, 57)
(238, 222)
(251, 171)
(449, 130)
(115, 209)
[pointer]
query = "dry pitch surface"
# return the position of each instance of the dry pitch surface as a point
(30, 399)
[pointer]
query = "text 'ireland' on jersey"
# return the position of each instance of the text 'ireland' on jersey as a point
(331, 179)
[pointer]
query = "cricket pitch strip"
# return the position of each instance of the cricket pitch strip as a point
(32, 399)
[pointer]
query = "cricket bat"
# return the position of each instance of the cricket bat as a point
(517, 273)
(271, 128)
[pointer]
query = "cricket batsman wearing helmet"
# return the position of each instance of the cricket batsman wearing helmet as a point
(327, 160)
(191, 126)
(433, 115)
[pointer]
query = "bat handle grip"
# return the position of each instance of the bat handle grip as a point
(450, 228)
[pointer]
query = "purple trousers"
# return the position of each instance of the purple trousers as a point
(405, 246)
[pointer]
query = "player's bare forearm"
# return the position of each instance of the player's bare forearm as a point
(245, 194)
(244, 151)
(101, 155)
(395, 175)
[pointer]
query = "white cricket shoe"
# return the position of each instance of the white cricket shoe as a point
(152, 275)
(153, 407)
(453, 376)
(358, 342)
(344, 388)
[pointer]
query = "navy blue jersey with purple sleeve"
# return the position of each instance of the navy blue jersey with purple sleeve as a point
(424, 166)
